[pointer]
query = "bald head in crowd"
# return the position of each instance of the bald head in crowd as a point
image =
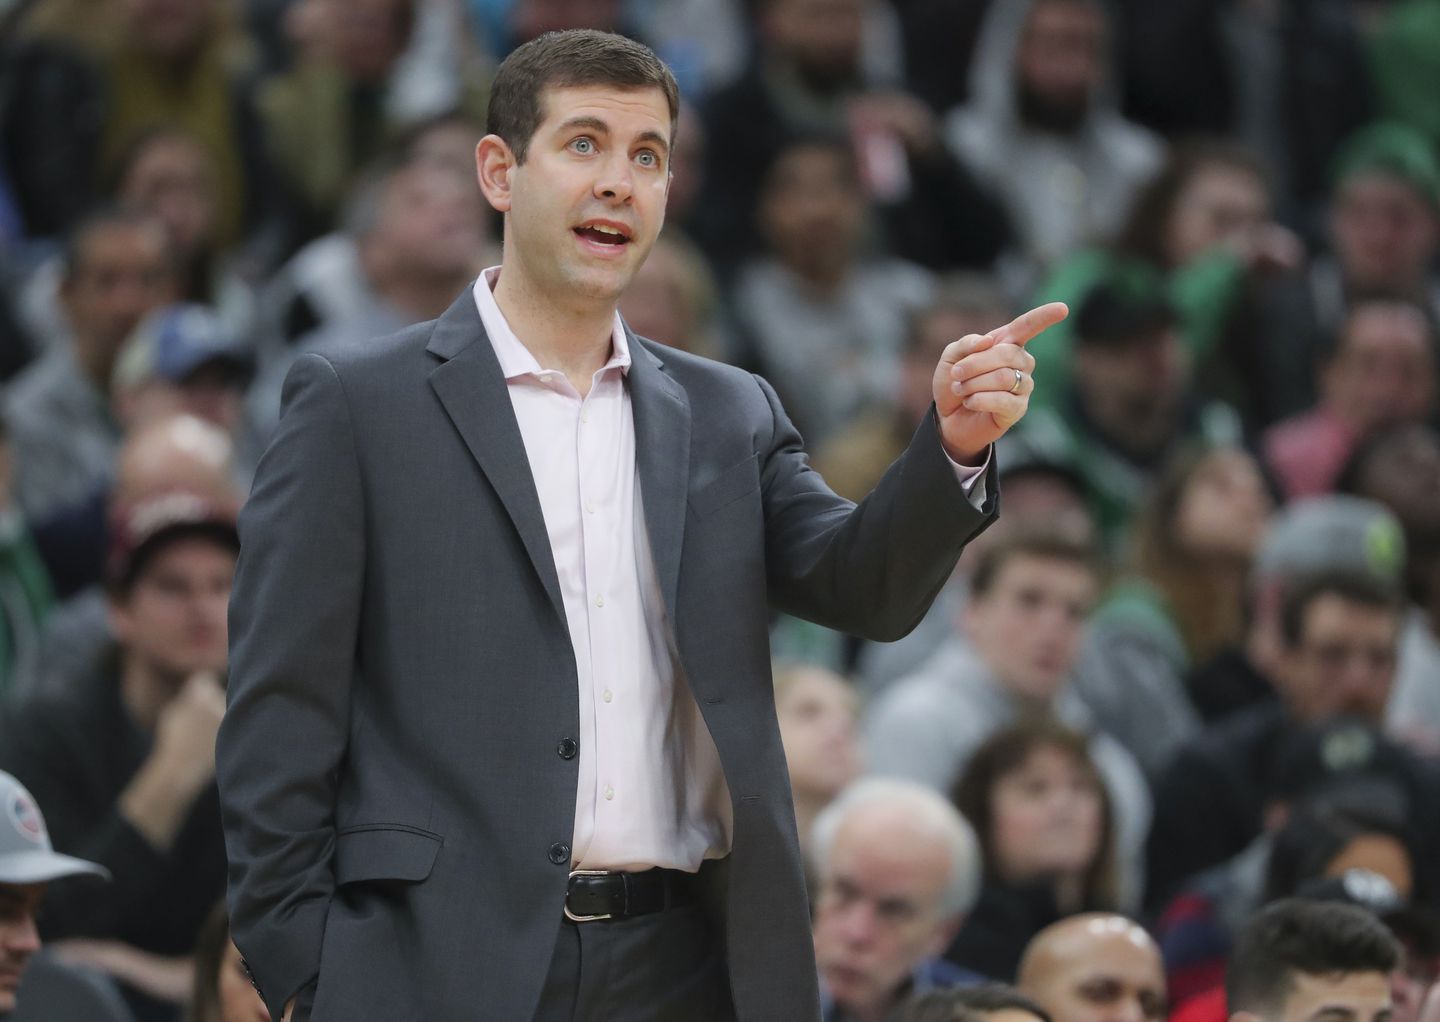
(1095, 968)
(178, 452)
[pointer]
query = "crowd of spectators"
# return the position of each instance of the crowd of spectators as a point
(1170, 737)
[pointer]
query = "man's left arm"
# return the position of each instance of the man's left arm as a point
(874, 569)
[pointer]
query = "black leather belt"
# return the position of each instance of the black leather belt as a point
(596, 894)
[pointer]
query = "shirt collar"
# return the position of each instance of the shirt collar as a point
(516, 359)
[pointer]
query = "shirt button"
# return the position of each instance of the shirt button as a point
(590, 508)
(567, 748)
(609, 792)
(599, 601)
(607, 695)
(559, 853)
(584, 416)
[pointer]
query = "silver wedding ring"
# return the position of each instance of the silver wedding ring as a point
(1019, 378)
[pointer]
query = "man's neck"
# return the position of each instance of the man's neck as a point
(573, 336)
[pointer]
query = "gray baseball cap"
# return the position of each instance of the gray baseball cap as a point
(1332, 533)
(26, 855)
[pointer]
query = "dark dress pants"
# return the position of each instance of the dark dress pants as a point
(663, 967)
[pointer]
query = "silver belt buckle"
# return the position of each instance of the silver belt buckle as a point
(584, 873)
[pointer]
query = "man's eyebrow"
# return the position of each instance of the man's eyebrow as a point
(1333, 1013)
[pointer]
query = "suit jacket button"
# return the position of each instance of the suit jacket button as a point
(559, 853)
(567, 748)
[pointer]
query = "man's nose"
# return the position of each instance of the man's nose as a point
(615, 183)
(858, 924)
(21, 936)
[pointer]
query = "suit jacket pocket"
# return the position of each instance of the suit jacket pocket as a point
(380, 852)
(728, 486)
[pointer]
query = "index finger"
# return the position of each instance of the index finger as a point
(1028, 326)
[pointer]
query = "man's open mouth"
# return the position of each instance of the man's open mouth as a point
(603, 234)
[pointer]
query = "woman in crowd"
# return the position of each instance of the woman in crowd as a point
(1039, 808)
(1181, 604)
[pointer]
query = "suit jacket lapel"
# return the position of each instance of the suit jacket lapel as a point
(662, 448)
(472, 390)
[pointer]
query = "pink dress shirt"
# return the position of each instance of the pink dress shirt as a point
(651, 791)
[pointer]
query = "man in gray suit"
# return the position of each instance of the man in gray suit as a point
(501, 741)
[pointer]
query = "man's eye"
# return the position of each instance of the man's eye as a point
(648, 159)
(583, 146)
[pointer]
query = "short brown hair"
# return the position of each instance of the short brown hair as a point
(566, 60)
(1041, 545)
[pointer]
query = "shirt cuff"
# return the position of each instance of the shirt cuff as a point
(972, 478)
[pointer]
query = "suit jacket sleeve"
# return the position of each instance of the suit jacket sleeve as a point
(294, 613)
(871, 569)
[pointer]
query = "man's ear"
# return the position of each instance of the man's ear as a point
(494, 167)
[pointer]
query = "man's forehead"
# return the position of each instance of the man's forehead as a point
(610, 103)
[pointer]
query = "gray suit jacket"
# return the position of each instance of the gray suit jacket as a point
(397, 809)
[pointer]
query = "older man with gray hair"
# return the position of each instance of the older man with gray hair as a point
(898, 868)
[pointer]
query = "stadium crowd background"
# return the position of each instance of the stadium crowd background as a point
(1194, 668)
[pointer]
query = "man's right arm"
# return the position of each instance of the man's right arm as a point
(294, 616)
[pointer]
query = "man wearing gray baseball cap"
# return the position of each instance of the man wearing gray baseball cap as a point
(27, 865)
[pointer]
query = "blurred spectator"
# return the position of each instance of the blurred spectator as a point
(826, 322)
(223, 991)
(1204, 222)
(1381, 373)
(1131, 403)
(71, 115)
(1384, 230)
(1306, 537)
(169, 174)
(125, 764)
(1039, 496)
(117, 270)
(898, 869)
(1341, 635)
(338, 108)
(1040, 810)
(1183, 602)
(180, 359)
(673, 299)
(1043, 130)
(1405, 60)
(26, 595)
(1340, 798)
(420, 237)
(1299, 958)
(1400, 468)
(180, 453)
(1012, 657)
(810, 77)
(984, 1002)
(28, 866)
(853, 460)
(818, 719)
(1095, 968)
(1288, 80)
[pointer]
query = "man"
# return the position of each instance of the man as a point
(117, 270)
(1130, 403)
(28, 865)
(1095, 968)
(1017, 643)
(447, 571)
(812, 73)
(418, 233)
(1383, 222)
(1301, 960)
(124, 762)
(1340, 632)
(899, 868)
(1042, 127)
